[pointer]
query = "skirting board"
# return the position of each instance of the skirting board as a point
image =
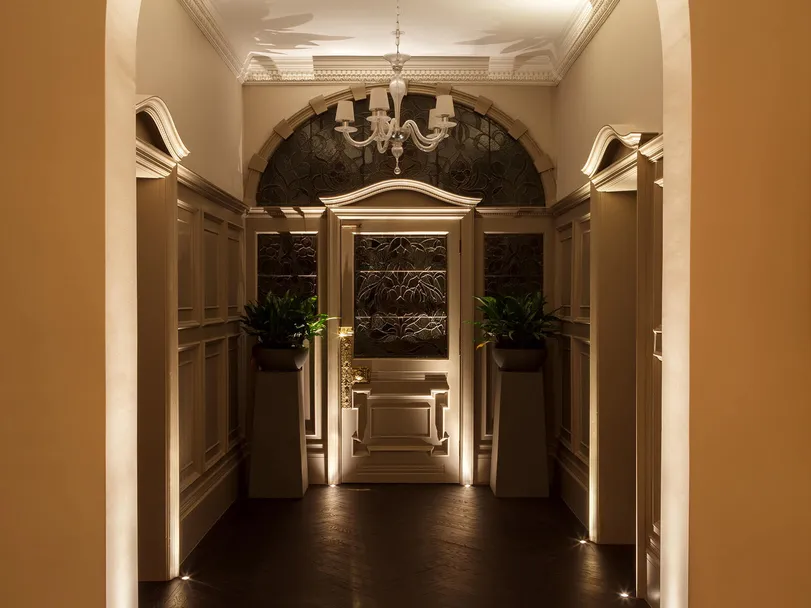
(316, 469)
(574, 493)
(482, 476)
(199, 520)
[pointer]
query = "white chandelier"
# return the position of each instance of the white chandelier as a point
(390, 133)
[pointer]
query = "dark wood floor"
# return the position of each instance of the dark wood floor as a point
(391, 546)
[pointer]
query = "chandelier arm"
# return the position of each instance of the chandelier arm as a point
(387, 131)
(365, 142)
(427, 140)
(424, 147)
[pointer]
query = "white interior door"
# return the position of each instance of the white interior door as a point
(400, 293)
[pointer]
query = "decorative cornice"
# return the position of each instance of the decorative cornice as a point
(150, 162)
(400, 184)
(287, 212)
(204, 16)
(513, 211)
(262, 70)
(654, 149)
(157, 110)
(620, 176)
(412, 213)
(205, 188)
(569, 202)
(626, 135)
(582, 29)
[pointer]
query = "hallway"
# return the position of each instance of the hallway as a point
(398, 546)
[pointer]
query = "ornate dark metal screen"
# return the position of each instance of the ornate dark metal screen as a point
(286, 262)
(513, 264)
(479, 159)
(401, 296)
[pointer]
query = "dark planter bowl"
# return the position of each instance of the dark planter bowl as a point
(519, 359)
(280, 359)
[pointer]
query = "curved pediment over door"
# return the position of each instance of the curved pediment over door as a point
(479, 160)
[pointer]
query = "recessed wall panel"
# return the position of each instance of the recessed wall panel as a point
(187, 397)
(185, 265)
(213, 397)
(211, 269)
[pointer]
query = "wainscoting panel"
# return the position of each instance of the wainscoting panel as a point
(572, 388)
(188, 383)
(211, 369)
(187, 285)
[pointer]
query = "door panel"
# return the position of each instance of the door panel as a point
(400, 293)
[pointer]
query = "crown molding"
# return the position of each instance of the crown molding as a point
(654, 149)
(581, 30)
(158, 111)
(262, 70)
(628, 136)
(206, 189)
(513, 211)
(205, 17)
(151, 163)
(287, 212)
(410, 185)
(351, 70)
(620, 176)
(572, 200)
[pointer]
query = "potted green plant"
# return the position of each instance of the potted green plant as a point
(281, 324)
(517, 326)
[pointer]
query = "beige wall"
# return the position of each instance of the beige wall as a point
(265, 106)
(617, 80)
(67, 524)
(750, 297)
(177, 63)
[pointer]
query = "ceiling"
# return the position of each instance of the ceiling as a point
(532, 41)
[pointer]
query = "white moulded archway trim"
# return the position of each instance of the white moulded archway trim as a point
(400, 184)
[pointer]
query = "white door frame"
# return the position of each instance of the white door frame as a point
(348, 208)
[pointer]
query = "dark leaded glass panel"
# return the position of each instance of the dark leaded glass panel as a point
(464, 157)
(513, 264)
(513, 178)
(478, 159)
(401, 296)
(286, 262)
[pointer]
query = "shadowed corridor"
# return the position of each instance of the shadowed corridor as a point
(398, 546)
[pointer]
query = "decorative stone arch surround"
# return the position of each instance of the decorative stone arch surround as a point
(479, 104)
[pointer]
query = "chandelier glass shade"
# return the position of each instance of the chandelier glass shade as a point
(390, 132)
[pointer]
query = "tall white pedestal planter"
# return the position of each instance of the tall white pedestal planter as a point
(519, 466)
(278, 465)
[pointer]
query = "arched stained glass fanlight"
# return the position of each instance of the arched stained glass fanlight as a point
(479, 159)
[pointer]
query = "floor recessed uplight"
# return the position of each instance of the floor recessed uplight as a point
(467, 485)
(185, 578)
(583, 541)
(625, 595)
(333, 485)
